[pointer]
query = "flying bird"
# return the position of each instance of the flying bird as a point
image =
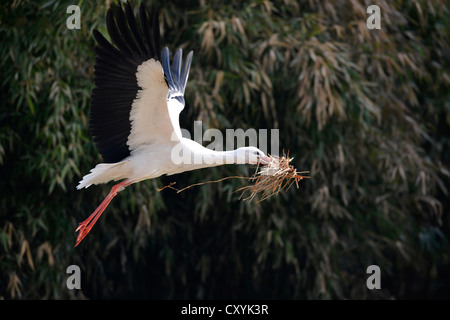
(135, 108)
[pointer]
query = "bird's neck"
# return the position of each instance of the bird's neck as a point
(197, 156)
(218, 158)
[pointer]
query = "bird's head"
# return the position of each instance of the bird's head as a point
(251, 155)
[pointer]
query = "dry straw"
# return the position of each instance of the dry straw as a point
(272, 178)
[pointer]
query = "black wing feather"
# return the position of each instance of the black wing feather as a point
(146, 31)
(134, 29)
(125, 31)
(156, 35)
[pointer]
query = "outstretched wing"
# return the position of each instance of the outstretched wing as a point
(129, 106)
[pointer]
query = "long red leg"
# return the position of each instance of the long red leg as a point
(86, 226)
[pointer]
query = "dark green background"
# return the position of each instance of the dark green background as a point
(366, 111)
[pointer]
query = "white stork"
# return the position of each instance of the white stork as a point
(135, 109)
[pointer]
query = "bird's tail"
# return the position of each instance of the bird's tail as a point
(104, 172)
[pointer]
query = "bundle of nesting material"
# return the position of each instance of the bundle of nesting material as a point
(273, 177)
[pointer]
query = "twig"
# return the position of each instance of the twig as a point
(198, 184)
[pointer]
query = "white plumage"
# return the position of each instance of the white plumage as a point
(135, 112)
